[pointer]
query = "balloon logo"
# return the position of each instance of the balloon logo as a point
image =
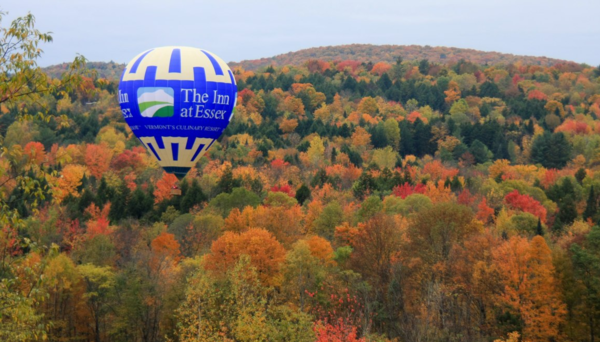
(177, 101)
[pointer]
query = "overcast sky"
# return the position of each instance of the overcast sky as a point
(104, 30)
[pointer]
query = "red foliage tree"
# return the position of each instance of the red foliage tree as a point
(98, 223)
(465, 197)
(279, 164)
(353, 65)
(484, 212)
(127, 159)
(537, 95)
(406, 189)
(525, 203)
(336, 332)
(286, 189)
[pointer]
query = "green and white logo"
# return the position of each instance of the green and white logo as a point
(155, 102)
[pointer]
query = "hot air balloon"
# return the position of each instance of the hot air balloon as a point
(177, 101)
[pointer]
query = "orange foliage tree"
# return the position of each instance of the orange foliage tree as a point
(35, 152)
(165, 249)
(163, 187)
(97, 159)
(530, 288)
(266, 254)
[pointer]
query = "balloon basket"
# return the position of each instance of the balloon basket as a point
(176, 192)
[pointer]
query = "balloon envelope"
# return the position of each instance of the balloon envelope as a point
(177, 101)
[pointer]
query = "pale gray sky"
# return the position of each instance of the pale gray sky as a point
(104, 30)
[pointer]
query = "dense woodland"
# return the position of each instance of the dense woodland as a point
(389, 53)
(346, 201)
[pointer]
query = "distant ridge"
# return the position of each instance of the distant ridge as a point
(390, 53)
(109, 70)
(358, 52)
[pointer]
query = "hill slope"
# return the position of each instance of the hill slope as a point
(389, 53)
(109, 70)
(358, 52)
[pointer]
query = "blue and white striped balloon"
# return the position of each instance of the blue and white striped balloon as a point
(177, 101)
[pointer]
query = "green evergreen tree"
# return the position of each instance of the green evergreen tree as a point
(567, 211)
(539, 230)
(407, 177)
(384, 83)
(227, 182)
(138, 204)
(480, 152)
(591, 207)
(456, 185)
(424, 67)
(119, 208)
(319, 179)
(256, 186)
(580, 175)
(104, 194)
(557, 227)
(193, 197)
(86, 199)
(586, 270)
(364, 186)
(597, 71)
(551, 150)
(530, 127)
(379, 137)
(567, 188)
(302, 194)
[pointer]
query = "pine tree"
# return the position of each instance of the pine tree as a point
(586, 269)
(104, 194)
(227, 182)
(592, 205)
(193, 197)
(557, 227)
(319, 179)
(539, 231)
(424, 67)
(481, 153)
(363, 186)
(302, 194)
(407, 177)
(456, 185)
(87, 198)
(138, 204)
(567, 211)
(551, 150)
(580, 175)
(119, 209)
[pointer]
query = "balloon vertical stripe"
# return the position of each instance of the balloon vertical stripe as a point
(175, 150)
(154, 151)
(135, 65)
(200, 148)
(214, 62)
(175, 62)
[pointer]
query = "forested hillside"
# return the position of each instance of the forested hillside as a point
(390, 53)
(362, 53)
(108, 70)
(384, 200)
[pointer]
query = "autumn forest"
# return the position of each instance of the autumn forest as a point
(389, 199)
